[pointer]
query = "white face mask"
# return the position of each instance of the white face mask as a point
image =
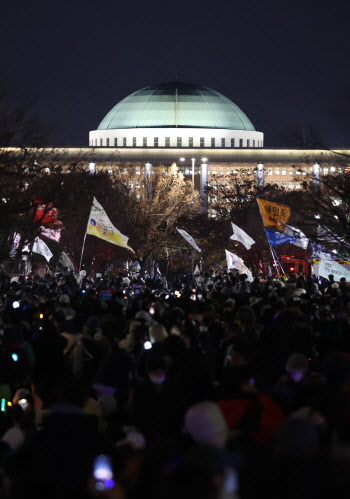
(157, 379)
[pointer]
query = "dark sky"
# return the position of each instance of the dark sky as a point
(286, 64)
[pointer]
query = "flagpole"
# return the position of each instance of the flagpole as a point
(268, 240)
(82, 251)
(279, 263)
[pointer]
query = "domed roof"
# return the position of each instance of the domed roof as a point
(176, 104)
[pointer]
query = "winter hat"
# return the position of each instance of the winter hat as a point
(14, 437)
(297, 362)
(65, 299)
(206, 424)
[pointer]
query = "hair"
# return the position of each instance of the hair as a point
(157, 333)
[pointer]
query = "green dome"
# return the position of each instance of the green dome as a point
(176, 104)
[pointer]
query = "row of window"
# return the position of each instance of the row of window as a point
(213, 142)
(302, 171)
(214, 170)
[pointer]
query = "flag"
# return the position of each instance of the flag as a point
(245, 270)
(242, 237)
(100, 226)
(300, 239)
(233, 261)
(66, 262)
(42, 249)
(319, 251)
(15, 244)
(325, 234)
(328, 267)
(189, 239)
(274, 214)
(54, 234)
(278, 238)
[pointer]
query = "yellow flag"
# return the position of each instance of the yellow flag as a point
(100, 226)
(274, 214)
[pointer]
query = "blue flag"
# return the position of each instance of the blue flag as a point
(278, 238)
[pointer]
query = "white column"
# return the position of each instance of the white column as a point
(260, 176)
(203, 185)
(148, 176)
(316, 176)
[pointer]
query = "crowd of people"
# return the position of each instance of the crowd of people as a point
(205, 386)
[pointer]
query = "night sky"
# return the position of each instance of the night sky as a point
(285, 64)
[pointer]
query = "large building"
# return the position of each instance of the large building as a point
(205, 134)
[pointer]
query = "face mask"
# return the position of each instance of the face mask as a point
(157, 380)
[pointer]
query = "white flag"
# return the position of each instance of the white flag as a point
(233, 261)
(328, 267)
(42, 249)
(189, 239)
(325, 234)
(241, 236)
(245, 270)
(301, 240)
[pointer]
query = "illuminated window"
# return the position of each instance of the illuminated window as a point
(291, 186)
(249, 171)
(221, 185)
(134, 142)
(131, 184)
(284, 184)
(124, 171)
(269, 171)
(107, 142)
(277, 171)
(116, 142)
(277, 184)
(284, 171)
(298, 172)
(297, 185)
(144, 141)
(222, 142)
(137, 170)
(188, 170)
(124, 141)
(137, 184)
(221, 170)
(228, 170)
(167, 141)
(325, 170)
(190, 142)
(304, 170)
(212, 143)
(201, 142)
(232, 142)
(340, 170)
(155, 141)
(291, 171)
(333, 170)
(213, 170)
